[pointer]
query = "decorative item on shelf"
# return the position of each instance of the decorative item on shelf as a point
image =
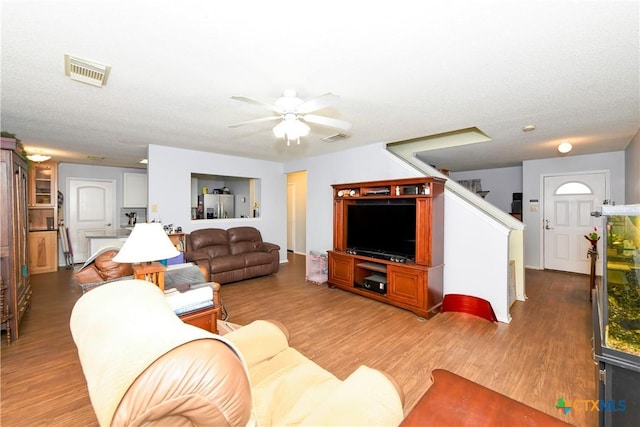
(592, 253)
(593, 238)
(346, 192)
(147, 244)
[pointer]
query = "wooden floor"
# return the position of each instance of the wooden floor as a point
(543, 354)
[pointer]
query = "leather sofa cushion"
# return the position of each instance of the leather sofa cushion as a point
(103, 268)
(257, 258)
(89, 274)
(221, 264)
(110, 269)
(215, 241)
(244, 239)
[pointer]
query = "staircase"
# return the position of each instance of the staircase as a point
(484, 246)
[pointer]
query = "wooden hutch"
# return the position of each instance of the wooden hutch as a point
(413, 284)
(43, 217)
(14, 254)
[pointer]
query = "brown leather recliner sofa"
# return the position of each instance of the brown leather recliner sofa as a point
(103, 268)
(232, 255)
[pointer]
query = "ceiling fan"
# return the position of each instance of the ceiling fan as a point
(293, 112)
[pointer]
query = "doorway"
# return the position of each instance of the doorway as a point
(569, 201)
(91, 211)
(297, 212)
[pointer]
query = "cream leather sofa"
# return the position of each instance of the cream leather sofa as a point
(143, 366)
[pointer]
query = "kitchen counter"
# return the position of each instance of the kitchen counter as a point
(114, 239)
(116, 234)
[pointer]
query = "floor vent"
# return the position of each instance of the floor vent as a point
(86, 71)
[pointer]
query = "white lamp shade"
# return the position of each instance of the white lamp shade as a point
(147, 242)
(291, 127)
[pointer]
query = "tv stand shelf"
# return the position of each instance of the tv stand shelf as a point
(416, 284)
(373, 266)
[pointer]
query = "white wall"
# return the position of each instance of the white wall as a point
(533, 170)
(475, 263)
(170, 171)
(476, 254)
(632, 170)
(368, 163)
(501, 184)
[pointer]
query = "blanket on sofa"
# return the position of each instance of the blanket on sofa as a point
(290, 389)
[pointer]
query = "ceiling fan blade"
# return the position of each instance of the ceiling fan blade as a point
(248, 122)
(327, 121)
(260, 103)
(317, 103)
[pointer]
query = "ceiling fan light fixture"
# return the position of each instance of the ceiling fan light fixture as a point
(291, 128)
(38, 157)
(279, 130)
(293, 112)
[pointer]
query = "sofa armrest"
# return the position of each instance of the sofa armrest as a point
(211, 390)
(259, 341)
(367, 397)
(268, 247)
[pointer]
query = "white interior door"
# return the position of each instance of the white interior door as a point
(568, 203)
(91, 211)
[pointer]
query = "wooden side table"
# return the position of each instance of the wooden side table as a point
(206, 318)
(151, 272)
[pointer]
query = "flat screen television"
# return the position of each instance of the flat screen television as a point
(385, 228)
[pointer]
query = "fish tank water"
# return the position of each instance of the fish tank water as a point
(620, 302)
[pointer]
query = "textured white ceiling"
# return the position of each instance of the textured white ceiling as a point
(403, 70)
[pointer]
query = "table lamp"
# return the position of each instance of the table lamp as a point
(147, 243)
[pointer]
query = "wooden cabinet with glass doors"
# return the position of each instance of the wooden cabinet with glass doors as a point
(43, 217)
(14, 272)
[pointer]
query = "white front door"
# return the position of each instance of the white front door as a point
(91, 211)
(568, 203)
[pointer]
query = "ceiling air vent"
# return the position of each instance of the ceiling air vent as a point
(86, 71)
(334, 138)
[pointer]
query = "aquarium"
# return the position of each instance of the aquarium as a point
(620, 297)
(616, 319)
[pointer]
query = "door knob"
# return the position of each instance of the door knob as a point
(546, 225)
(108, 225)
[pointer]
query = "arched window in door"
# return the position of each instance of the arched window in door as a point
(573, 187)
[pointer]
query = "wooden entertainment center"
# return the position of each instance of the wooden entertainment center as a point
(415, 283)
